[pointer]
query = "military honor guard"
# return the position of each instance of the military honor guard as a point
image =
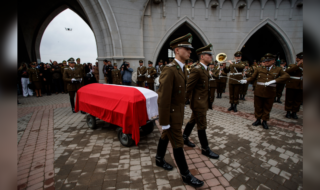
(35, 78)
(294, 87)
(267, 76)
(151, 71)
(244, 88)
(221, 80)
(81, 67)
(141, 71)
(116, 74)
(280, 86)
(213, 81)
(63, 68)
(160, 67)
(235, 70)
(74, 77)
(171, 102)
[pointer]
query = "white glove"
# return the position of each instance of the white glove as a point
(243, 81)
(270, 82)
(73, 79)
(80, 79)
(148, 76)
(164, 127)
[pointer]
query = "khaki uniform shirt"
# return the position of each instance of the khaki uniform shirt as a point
(116, 76)
(34, 75)
(69, 74)
(151, 71)
(141, 71)
(234, 69)
(295, 71)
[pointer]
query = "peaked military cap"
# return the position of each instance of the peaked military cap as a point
(246, 64)
(262, 59)
(205, 50)
(71, 60)
(216, 61)
(190, 60)
(300, 55)
(150, 62)
(269, 56)
(221, 64)
(64, 61)
(78, 59)
(170, 60)
(183, 41)
(115, 64)
(33, 63)
(238, 54)
(140, 61)
(161, 61)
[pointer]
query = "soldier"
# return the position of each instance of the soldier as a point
(65, 66)
(160, 67)
(35, 78)
(109, 72)
(221, 81)
(280, 86)
(244, 88)
(199, 94)
(105, 70)
(171, 102)
(265, 91)
(116, 75)
(141, 71)
(81, 67)
(96, 72)
(235, 70)
(213, 81)
(73, 76)
(151, 71)
(294, 86)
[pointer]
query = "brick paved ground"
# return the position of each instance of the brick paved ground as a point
(56, 150)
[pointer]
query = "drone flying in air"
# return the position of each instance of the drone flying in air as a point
(68, 29)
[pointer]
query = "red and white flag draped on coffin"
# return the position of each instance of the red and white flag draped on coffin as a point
(125, 106)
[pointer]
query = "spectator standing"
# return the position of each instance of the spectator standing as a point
(35, 78)
(105, 70)
(46, 78)
(56, 77)
(96, 72)
(23, 73)
(126, 73)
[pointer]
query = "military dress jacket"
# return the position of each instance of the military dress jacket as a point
(83, 73)
(213, 83)
(296, 76)
(34, 75)
(198, 89)
(171, 95)
(69, 74)
(263, 75)
(151, 71)
(160, 68)
(235, 71)
(141, 70)
(223, 77)
(116, 76)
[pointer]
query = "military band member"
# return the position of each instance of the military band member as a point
(73, 76)
(244, 88)
(171, 102)
(199, 94)
(35, 78)
(294, 86)
(151, 71)
(267, 76)
(116, 74)
(280, 86)
(160, 67)
(235, 70)
(141, 71)
(221, 81)
(213, 81)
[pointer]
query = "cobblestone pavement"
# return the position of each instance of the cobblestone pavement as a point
(56, 150)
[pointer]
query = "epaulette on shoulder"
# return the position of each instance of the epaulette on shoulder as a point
(66, 68)
(197, 67)
(170, 64)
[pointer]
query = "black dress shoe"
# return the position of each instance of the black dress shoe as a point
(288, 115)
(83, 112)
(160, 162)
(294, 115)
(265, 125)
(209, 153)
(243, 97)
(257, 122)
(191, 180)
(73, 110)
(278, 100)
(187, 142)
(187, 102)
(275, 100)
(231, 107)
(235, 108)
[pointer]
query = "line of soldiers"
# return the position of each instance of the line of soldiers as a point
(146, 75)
(112, 75)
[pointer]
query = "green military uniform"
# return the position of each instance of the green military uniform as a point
(63, 68)
(171, 102)
(244, 88)
(280, 86)
(81, 67)
(294, 88)
(234, 86)
(221, 81)
(116, 75)
(34, 77)
(141, 71)
(151, 71)
(264, 94)
(213, 82)
(160, 68)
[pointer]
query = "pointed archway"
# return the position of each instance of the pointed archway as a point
(265, 30)
(180, 28)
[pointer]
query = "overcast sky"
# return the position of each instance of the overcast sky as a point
(59, 44)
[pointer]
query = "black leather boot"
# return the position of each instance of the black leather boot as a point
(231, 107)
(278, 100)
(187, 177)
(235, 108)
(161, 152)
(294, 115)
(186, 133)
(288, 115)
(265, 125)
(257, 122)
(187, 102)
(217, 95)
(220, 95)
(72, 105)
(243, 97)
(205, 150)
(83, 112)
(275, 100)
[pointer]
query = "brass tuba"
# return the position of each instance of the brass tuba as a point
(222, 58)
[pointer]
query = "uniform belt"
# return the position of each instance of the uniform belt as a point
(236, 73)
(264, 84)
(296, 78)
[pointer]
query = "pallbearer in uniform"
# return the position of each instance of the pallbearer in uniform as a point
(235, 70)
(73, 76)
(267, 76)
(141, 71)
(199, 94)
(151, 71)
(171, 102)
(116, 74)
(294, 86)
(221, 81)
(244, 88)
(280, 86)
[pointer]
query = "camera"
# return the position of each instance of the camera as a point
(125, 65)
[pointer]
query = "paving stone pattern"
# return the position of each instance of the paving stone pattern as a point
(57, 150)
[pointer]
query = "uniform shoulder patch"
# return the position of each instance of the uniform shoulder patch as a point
(197, 67)
(170, 65)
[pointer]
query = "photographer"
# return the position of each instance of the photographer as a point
(126, 73)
